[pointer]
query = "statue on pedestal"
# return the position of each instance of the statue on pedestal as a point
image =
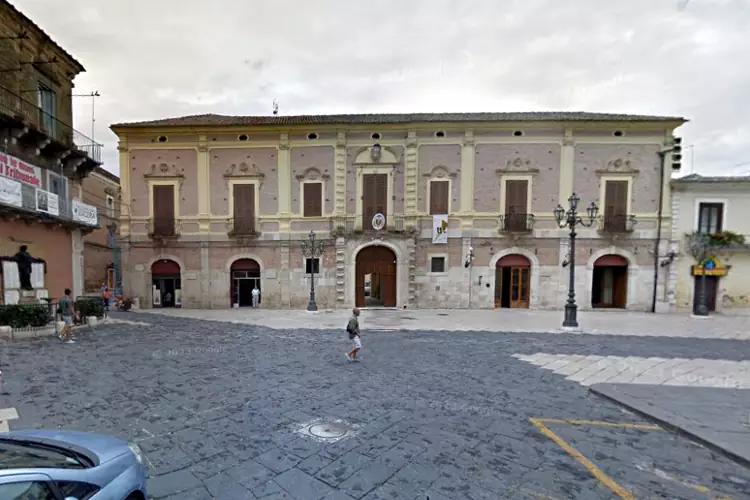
(24, 259)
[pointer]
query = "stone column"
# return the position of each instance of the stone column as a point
(77, 256)
(340, 175)
(125, 198)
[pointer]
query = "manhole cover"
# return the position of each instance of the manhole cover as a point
(409, 318)
(443, 314)
(326, 430)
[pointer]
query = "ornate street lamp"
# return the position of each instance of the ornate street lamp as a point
(571, 219)
(312, 249)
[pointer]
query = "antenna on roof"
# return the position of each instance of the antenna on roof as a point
(275, 107)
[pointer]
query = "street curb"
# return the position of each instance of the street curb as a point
(668, 420)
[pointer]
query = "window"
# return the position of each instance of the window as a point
(28, 490)
(615, 206)
(243, 212)
(164, 213)
(437, 264)
(312, 266)
(711, 218)
(76, 489)
(312, 199)
(110, 207)
(47, 101)
(516, 204)
(58, 185)
(439, 197)
(374, 198)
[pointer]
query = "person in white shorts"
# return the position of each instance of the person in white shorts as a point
(352, 328)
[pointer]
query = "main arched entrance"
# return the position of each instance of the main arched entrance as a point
(166, 284)
(610, 285)
(245, 275)
(512, 282)
(375, 277)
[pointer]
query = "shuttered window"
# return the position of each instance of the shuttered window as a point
(374, 198)
(711, 218)
(615, 205)
(439, 197)
(164, 210)
(312, 199)
(516, 204)
(244, 208)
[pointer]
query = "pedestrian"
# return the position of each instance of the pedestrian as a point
(105, 301)
(68, 311)
(256, 296)
(352, 328)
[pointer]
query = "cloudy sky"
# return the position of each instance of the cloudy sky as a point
(159, 58)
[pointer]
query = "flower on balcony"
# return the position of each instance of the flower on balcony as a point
(704, 246)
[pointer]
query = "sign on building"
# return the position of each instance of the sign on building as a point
(440, 229)
(47, 202)
(85, 213)
(18, 170)
(10, 192)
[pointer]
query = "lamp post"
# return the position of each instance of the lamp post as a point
(571, 219)
(312, 249)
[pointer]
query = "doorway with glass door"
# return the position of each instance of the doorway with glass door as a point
(512, 282)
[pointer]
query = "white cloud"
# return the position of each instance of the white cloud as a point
(153, 59)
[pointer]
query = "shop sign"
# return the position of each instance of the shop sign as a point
(18, 170)
(709, 267)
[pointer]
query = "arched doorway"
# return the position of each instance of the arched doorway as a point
(245, 276)
(610, 286)
(512, 282)
(166, 283)
(375, 276)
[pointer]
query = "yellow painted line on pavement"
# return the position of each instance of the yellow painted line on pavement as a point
(596, 471)
(623, 425)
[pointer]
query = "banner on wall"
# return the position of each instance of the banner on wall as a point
(47, 202)
(10, 192)
(18, 170)
(440, 229)
(83, 212)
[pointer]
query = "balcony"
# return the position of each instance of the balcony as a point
(616, 224)
(27, 211)
(516, 223)
(36, 128)
(342, 225)
(163, 228)
(243, 227)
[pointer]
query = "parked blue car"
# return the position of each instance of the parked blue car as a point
(69, 465)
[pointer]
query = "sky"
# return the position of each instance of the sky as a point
(153, 59)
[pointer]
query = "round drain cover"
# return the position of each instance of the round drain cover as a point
(328, 431)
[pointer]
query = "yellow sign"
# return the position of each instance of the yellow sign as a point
(710, 267)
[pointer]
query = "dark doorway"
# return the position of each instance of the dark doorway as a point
(609, 289)
(166, 285)
(375, 277)
(245, 277)
(712, 287)
(512, 282)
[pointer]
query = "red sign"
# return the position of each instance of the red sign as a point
(18, 170)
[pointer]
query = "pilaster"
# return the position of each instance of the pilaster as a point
(204, 185)
(411, 174)
(567, 167)
(411, 246)
(284, 169)
(285, 277)
(340, 271)
(339, 207)
(125, 198)
(77, 256)
(468, 157)
(205, 276)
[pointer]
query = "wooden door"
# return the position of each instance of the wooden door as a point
(519, 287)
(615, 206)
(244, 208)
(387, 272)
(374, 198)
(712, 285)
(621, 287)
(164, 210)
(516, 203)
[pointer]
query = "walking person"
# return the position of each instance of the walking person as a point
(68, 311)
(105, 300)
(256, 296)
(352, 328)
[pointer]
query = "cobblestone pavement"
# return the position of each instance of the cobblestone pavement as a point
(436, 415)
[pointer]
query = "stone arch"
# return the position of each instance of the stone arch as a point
(387, 156)
(533, 260)
(362, 246)
(166, 256)
(633, 273)
(611, 250)
(402, 269)
(244, 255)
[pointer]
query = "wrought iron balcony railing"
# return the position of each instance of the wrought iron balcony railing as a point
(617, 224)
(19, 108)
(516, 223)
(164, 228)
(243, 227)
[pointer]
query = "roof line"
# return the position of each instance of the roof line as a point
(26, 18)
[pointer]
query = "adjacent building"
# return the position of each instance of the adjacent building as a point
(42, 161)
(711, 205)
(416, 210)
(101, 189)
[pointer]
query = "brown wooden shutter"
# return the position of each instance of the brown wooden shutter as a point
(244, 208)
(312, 199)
(381, 194)
(615, 205)
(439, 197)
(516, 204)
(164, 210)
(368, 200)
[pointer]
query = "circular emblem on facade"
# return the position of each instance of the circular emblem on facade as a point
(378, 222)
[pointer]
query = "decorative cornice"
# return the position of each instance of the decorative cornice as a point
(164, 171)
(312, 174)
(244, 171)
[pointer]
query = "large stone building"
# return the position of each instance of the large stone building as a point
(42, 162)
(711, 205)
(213, 205)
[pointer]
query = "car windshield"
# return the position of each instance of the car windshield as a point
(26, 455)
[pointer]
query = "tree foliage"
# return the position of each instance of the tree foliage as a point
(704, 246)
